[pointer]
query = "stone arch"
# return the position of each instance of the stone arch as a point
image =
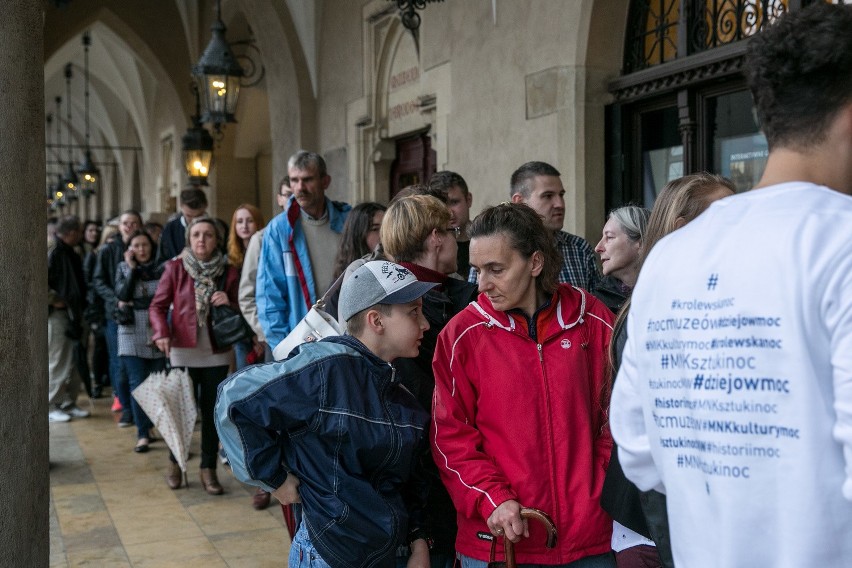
(133, 86)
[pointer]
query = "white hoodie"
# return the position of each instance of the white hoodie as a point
(734, 396)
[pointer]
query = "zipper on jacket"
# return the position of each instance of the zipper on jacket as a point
(395, 451)
(540, 356)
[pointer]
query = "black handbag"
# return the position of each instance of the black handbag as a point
(228, 325)
(124, 315)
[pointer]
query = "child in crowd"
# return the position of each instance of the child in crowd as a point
(331, 427)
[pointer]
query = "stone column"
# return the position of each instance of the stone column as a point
(24, 481)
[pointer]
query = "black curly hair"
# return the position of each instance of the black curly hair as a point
(799, 71)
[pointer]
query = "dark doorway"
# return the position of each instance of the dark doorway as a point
(415, 162)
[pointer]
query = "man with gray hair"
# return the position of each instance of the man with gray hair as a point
(538, 185)
(297, 254)
(65, 303)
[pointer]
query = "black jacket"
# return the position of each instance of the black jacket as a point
(172, 240)
(126, 279)
(94, 313)
(619, 497)
(439, 307)
(65, 279)
(104, 277)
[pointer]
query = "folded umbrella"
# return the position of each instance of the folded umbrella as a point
(166, 397)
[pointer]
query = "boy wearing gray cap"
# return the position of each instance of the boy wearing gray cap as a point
(332, 428)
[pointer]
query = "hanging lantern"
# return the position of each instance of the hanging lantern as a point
(197, 153)
(89, 173)
(218, 76)
(59, 194)
(70, 180)
(197, 147)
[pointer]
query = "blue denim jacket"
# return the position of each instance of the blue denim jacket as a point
(336, 416)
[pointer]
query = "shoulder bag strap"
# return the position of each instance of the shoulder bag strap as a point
(330, 292)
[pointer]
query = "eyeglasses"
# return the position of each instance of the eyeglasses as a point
(454, 231)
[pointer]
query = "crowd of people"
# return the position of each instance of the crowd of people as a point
(486, 359)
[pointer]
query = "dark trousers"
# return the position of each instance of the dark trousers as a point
(100, 358)
(656, 513)
(117, 376)
(641, 556)
(81, 359)
(205, 382)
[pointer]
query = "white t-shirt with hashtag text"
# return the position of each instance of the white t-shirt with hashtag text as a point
(734, 396)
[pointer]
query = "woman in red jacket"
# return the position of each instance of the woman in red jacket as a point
(517, 415)
(193, 281)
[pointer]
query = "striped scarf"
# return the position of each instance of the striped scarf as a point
(205, 275)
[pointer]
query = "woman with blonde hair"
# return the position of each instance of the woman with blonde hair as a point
(416, 232)
(680, 201)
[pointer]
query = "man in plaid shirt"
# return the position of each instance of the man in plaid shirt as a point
(538, 185)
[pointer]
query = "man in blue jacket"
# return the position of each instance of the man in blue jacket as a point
(297, 255)
(333, 428)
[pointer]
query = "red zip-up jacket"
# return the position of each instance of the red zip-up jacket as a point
(516, 418)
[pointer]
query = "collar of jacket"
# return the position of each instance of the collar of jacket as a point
(567, 309)
(381, 365)
(424, 274)
(336, 213)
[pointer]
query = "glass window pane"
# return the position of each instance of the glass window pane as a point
(662, 152)
(739, 149)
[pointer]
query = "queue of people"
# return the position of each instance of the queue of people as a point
(457, 401)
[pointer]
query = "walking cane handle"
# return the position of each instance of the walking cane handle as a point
(543, 518)
(527, 513)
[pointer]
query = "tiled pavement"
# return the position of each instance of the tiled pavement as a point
(111, 507)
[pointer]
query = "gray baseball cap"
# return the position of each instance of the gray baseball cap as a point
(379, 282)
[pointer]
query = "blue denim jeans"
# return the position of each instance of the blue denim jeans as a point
(137, 370)
(302, 551)
(117, 376)
(600, 561)
(241, 349)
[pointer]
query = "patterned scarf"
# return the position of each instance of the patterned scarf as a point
(206, 276)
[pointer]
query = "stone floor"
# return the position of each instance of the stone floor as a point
(111, 507)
